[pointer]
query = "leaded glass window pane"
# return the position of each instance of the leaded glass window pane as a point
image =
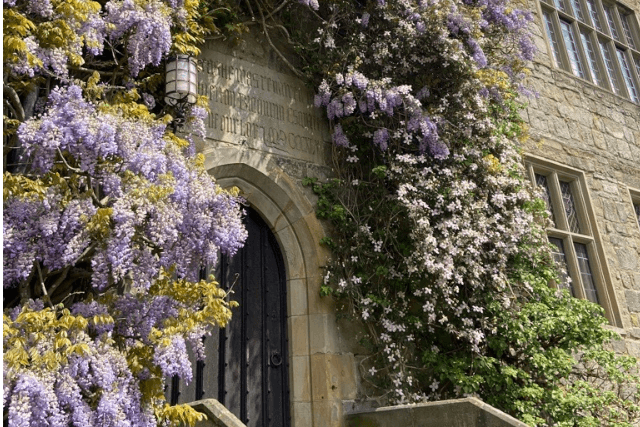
(569, 207)
(608, 12)
(604, 50)
(591, 58)
(626, 26)
(577, 8)
(553, 39)
(593, 12)
(560, 5)
(561, 261)
(626, 72)
(637, 208)
(572, 48)
(585, 273)
(541, 181)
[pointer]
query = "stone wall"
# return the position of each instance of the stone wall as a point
(579, 125)
(264, 136)
(467, 412)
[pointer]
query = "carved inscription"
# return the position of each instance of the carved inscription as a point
(266, 110)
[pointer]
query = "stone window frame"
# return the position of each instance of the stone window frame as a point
(588, 236)
(582, 54)
(634, 196)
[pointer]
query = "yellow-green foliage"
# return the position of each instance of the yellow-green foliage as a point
(91, 89)
(147, 192)
(100, 223)
(57, 33)
(178, 415)
(494, 78)
(26, 188)
(10, 126)
(57, 333)
(173, 139)
(493, 164)
(15, 28)
(41, 341)
(124, 104)
(188, 38)
(203, 19)
(204, 303)
(21, 186)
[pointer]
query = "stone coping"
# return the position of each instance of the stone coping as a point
(467, 412)
(217, 414)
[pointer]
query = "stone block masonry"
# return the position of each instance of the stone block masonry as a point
(263, 109)
(582, 126)
(468, 412)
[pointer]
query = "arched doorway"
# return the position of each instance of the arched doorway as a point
(246, 366)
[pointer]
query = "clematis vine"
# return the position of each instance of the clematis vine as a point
(439, 248)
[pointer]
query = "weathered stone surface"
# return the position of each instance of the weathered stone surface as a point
(217, 414)
(603, 141)
(628, 259)
(255, 106)
(468, 412)
(619, 346)
(633, 300)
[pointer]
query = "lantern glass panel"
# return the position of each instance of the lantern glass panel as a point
(181, 80)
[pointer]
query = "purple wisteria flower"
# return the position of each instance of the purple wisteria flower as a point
(192, 218)
(380, 138)
(150, 28)
(339, 138)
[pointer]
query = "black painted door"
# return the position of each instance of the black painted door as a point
(246, 365)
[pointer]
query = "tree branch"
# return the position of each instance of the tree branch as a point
(23, 287)
(10, 93)
(277, 9)
(266, 33)
(67, 164)
(89, 70)
(44, 288)
(58, 282)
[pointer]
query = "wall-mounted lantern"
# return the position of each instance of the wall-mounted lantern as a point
(181, 89)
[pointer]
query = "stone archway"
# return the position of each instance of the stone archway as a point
(292, 221)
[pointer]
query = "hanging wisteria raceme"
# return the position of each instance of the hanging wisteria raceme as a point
(112, 202)
(108, 216)
(155, 198)
(150, 28)
(73, 378)
(117, 197)
(75, 31)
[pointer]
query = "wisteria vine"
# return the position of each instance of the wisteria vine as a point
(108, 216)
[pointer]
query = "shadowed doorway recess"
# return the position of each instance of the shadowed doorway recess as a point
(246, 366)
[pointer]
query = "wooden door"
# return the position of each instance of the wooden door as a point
(246, 366)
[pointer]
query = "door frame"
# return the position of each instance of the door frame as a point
(321, 374)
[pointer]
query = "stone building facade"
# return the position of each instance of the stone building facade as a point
(588, 134)
(264, 137)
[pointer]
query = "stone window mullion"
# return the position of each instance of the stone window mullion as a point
(574, 268)
(556, 200)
